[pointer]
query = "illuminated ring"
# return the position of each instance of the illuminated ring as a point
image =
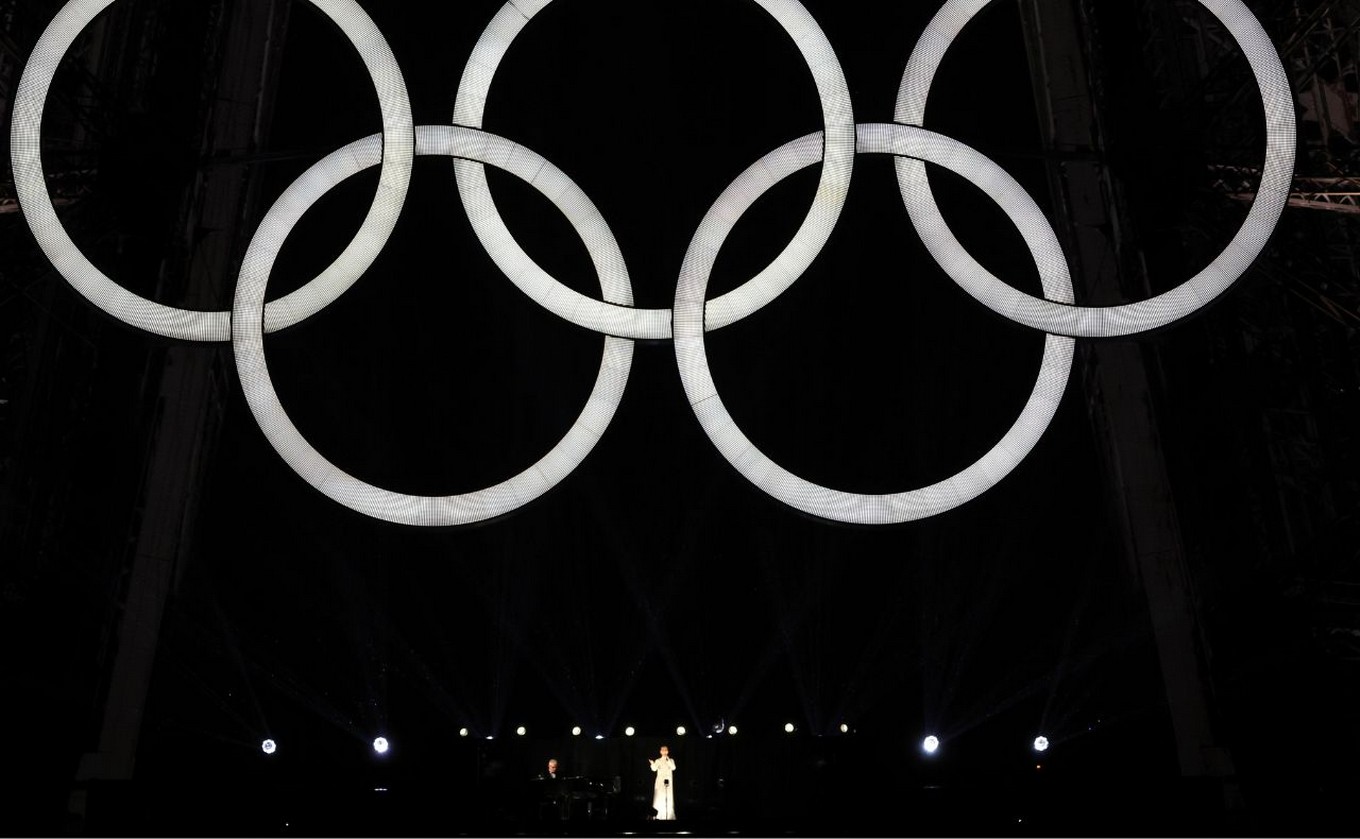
(815, 499)
(837, 161)
(187, 324)
(330, 480)
(1129, 318)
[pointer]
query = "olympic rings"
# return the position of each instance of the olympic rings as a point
(692, 314)
(104, 293)
(1060, 319)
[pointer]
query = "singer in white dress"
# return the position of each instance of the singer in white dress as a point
(663, 789)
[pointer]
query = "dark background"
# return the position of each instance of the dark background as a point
(655, 587)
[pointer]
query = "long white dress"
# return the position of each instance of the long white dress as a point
(663, 788)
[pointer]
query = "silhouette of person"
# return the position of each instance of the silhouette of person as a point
(553, 798)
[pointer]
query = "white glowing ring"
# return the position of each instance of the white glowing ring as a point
(1130, 318)
(248, 335)
(187, 324)
(837, 160)
(813, 498)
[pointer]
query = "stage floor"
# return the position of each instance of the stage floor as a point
(1112, 807)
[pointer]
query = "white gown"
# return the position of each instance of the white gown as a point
(663, 789)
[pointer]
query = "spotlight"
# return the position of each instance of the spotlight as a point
(380, 745)
(930, 744)
(462, 732)
(576, 731)
(845, 729)
(268, 747)
(679, 731)
(628, 731)
(731, 729)
(521, 731)
(788, 728)
(1040, 743)
(599, 736)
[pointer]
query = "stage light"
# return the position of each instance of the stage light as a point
(380, 745)
(628, 731)
(731, 729)
(268, 747)
(576, 731)
(521, 731)
(1040, 743)
(930, 744)
(788, 728)
(679, 731)
(845, 729)
(462, 732)
(599, 736)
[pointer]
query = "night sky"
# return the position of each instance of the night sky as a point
(655, 586)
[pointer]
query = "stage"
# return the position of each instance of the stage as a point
(1088, 807)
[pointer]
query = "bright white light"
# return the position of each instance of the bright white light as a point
(1040, 743)
(268, 747)
(599, 736)
(462, 732)
(680, 731)
(845, 729)
(731, 729)
(380, 745)
(930, 744)
(788, 727)
(576, 731)
(521, 731)
(628, 731)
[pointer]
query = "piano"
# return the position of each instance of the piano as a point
(573, 797)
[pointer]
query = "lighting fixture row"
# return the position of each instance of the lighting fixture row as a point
(930, 745)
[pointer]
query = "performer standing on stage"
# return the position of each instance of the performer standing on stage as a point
(663, 789)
